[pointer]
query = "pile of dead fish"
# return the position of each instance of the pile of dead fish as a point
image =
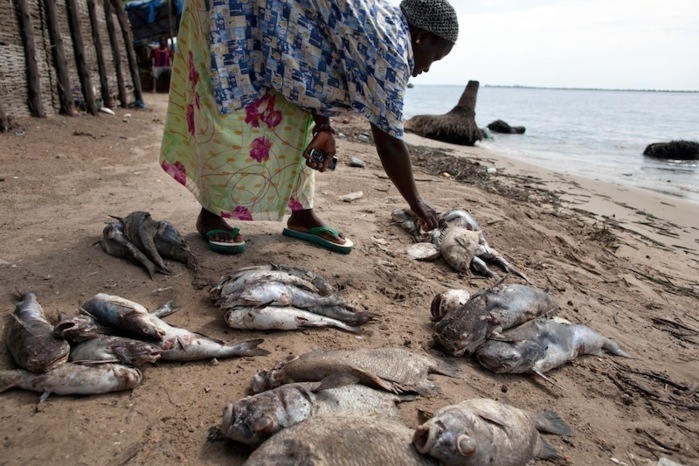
(506, 327)
(272, 297)
(96, 351)
(339, 407)
(141, 239)
(459, 240)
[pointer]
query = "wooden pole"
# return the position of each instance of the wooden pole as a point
(4, 122)
(104, 83)
(34, 85)
(59, 58)
(128, 43)
(116, 55)
(79, 51)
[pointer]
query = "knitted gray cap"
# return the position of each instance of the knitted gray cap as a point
(435, 16)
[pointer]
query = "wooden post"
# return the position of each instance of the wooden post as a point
(59, 58)
(4, 122)
(79, 51)
(128, 43)
(104, 83)
(116, 55)
(34, 85)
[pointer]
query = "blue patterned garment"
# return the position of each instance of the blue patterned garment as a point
(325, 56)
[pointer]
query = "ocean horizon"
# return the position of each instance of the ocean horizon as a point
(593, 133)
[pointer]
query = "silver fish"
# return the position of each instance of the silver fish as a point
(253, 419)
(485, 432)
(340, 440)
(115, 243)
(541, 345)
(232, 285)
(280, 318)
(104, 348)
(322, 285)
(461, 218)
(489, 312)
(170, 243)
(74, 379)
(279, 294)
(116, 312)
(180, 344)
(30, 339)
(394, 369)
(80, 328)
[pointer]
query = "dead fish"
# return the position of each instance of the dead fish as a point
(541, 345)
(461, 218)
(458, 245)
(253, 419)
(394, 369)
(80, 328)
(116, 244)
(233, 285)
(105, 348)
(483, 432)
(318, 281)
(489, 312)
(180, 344)
(116, 312)
(448, 301)
(74, 379)
(408, 221)
(170, 243)
(30, 339)
(280, 318)
(279, 294)
(140, 228)
(340, 440)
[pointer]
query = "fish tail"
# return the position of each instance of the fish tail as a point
(552, 423)
(544, 451)
(447, 367)
(612, 347)
(9, 379)
(247, 348)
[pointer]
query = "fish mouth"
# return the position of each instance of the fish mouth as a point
(227, 419)
(424, 438)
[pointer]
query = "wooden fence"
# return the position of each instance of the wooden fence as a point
(56, 55)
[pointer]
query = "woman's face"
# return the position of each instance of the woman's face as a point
(427, 49)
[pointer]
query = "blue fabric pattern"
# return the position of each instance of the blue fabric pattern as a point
(325, 56)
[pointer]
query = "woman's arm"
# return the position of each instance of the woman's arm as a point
(396, 163)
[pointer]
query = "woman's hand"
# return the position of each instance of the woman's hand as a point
(323, 141)
(426, 214)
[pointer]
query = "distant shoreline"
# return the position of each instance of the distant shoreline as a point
(570, 88)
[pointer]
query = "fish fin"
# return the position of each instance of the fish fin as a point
(446, 367)
(544, 451)
(120, 219)
(166, 309)
(552, 423)
(335, 381)
(44, 396)
(424, 388)
(367, 378)
(9, 379)
(612, 347)
(249, 348)
(546, 378)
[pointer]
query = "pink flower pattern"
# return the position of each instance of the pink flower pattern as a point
(240, 213)
(176, 170)
(294, 204)
(190, 119)
(260, 149)
(193, 73)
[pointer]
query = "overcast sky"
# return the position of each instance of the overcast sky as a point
(609, 44)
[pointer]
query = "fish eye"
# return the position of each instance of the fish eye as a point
(465, 445)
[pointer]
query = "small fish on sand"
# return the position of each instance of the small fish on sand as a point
(485, 432)
(490, 312)
(253, 419)
(541, 345)
(280, 318)
(393, 369)
(105, 348)
(341, 440)
(30, 339)
(73, 379)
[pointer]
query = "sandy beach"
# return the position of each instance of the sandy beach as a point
(622, 260)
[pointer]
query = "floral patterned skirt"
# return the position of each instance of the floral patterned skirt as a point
(246, 164)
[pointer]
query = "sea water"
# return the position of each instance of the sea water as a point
(596, 134)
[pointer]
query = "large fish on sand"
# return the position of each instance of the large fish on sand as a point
(489, 312)
(116, 312)
(140, 228)
(170, 243)
(30, 339)
(105, 348)
(73, 379)
(541, 345)
(342, 441)
(253, 419)
(394, 369)
(485, 432)
(115, 243)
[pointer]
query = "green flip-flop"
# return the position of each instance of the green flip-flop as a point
(223, 247)
(313, 236)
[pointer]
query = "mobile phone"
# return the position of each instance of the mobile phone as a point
(318, 156)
